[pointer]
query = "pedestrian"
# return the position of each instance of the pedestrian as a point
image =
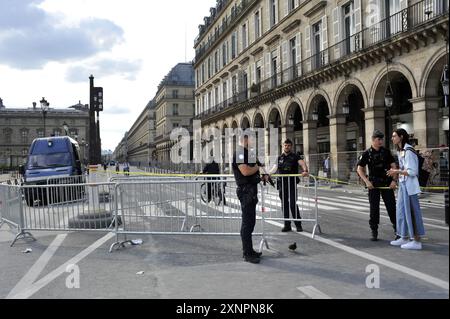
(105, 166)
(379, 160)
(289, 164)
(246, 173)
(410, 226)
(117, 167)
(126, 168)
(326, 167)
(211, 168)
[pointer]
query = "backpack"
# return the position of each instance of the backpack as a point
(423, 174)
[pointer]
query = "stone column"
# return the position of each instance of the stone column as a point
(287, 132)
(310, 145)
(426, 121)
(338, 141)
(375, 119)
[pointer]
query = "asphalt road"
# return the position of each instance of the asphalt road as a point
(340, 263)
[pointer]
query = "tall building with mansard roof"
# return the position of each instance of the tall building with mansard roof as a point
(318, 71)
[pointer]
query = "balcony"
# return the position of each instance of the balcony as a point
(358, 51)
(228, 24)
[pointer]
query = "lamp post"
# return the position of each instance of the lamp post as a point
(44, 106)
(445, 84)
(315, 115)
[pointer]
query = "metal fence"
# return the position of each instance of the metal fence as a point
(147, 205)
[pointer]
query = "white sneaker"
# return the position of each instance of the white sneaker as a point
(399, 242)
(413, 245)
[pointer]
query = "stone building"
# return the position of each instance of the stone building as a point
(318, 71)
(20, 126)
(174, 107)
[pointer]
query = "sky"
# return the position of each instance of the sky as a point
(49, 48)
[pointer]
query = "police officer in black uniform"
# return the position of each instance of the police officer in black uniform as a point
(380, 161)
(288, 164)
(246, 173)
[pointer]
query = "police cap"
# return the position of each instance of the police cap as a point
(377, 134)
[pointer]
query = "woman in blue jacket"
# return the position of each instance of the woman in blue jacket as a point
(409, 216)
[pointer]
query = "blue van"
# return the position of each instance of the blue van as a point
(53, 157)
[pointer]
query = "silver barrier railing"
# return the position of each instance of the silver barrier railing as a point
(177, 208)
(292, 199)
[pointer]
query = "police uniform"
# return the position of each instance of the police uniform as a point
(379, 163)
(247, 192)
(287, 187)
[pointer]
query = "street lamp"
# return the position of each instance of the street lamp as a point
(315, 115)
(291, 119)
(65, 127)
(389, 94)
(44, 106)
(445, 84)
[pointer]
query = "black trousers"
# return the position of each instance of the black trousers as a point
(248, 196)
(389, 201)
(288, 196)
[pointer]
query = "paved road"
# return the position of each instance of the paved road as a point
(340, 263)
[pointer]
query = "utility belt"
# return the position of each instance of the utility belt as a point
(380, 181)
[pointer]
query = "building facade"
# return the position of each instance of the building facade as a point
(318, 71)
(20, 126)
(140, 145)
(174, 108)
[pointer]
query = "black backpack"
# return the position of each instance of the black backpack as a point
(423, 174)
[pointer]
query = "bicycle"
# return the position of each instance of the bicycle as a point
(215, 193)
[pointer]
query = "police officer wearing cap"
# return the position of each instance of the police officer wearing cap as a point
(246, 173)
(289, 164)
(380, 161)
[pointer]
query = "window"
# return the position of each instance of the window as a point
(234, 85)
(273, 12)
(224, 91)
(209, 67)
(233, 45)
(203, 73)
(175, 94)
(209, 100)
(244, 36)
(56, 132)
(40, 133)
(24, 136)
(291, 5)
(216, 61)
(293, 57)
(216, 95)
(274, 66)
(24, 152)
(258, 73)
(175, 125)
(257, 25)
(224, 54)
(7, 133)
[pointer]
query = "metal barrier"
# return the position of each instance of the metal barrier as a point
(292, 199)
(176, 208)
(11, 211)
(151, 205)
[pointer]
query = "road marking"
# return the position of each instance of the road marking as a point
(38, 267)
(313, 293)
(411, 272)
(27, 292)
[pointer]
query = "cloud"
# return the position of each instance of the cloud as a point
(104, 67)
(116, 110)
(31, 37)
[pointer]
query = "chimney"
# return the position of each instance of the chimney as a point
(34, 105)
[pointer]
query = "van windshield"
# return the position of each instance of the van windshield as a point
(49, 160)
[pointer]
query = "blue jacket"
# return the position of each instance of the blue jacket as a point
(409, 161)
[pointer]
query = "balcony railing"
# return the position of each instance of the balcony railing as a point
(403, 21)
(227, 24)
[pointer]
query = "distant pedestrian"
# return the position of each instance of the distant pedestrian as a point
(117, 168)
(326, 167)
(380, 161)
(410, 226)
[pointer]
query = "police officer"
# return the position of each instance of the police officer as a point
(246, 173)
(288, 164)
(380, 161)
(211, 168)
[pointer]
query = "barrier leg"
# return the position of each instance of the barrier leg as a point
(22, 235)
(264, 240)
